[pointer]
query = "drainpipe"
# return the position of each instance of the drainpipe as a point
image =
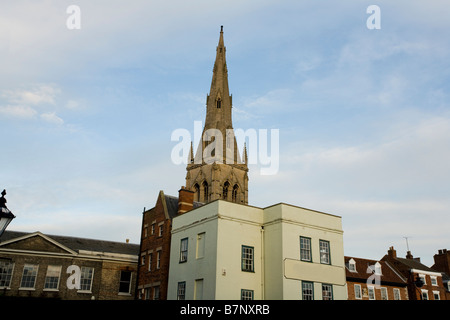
(262, 263)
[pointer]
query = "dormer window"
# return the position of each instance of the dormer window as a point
(219, 103)
(352, 265)
(378, 268)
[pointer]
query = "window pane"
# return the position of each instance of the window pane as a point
(246, 294)
(156, 293)
(327, 292)
(125, 282)
(52, 277)
(305, 249)
(29, 276)
(6, 269)
(307, 290)
(371, 293)
(384, 295)
(357, 291)
(184, 250)
(181, 290)
(86, 278)
(200, 245)
(396, 294)
(324, 252)
(247, 258)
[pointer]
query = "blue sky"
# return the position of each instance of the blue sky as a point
(86, 115)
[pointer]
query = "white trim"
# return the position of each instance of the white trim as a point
(438, 293)
(368, 292)
(430, 273)
(399, 293)
(38, 233)
(360, 291)
(352, 262)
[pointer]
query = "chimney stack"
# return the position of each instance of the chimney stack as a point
(185, 200)
(409, 255)
(392, 253)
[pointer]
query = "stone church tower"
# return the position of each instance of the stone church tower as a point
(217, 171)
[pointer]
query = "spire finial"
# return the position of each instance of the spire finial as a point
(221, 28)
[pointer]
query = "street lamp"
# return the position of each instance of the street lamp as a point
(6, 216)
(418, 283)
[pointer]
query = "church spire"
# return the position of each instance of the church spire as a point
(218, 102)
(215, 179)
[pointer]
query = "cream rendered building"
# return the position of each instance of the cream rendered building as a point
(225, 250)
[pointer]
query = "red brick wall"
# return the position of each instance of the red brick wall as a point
(155, 242)
(365, 292)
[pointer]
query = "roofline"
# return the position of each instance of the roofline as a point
(38, 233)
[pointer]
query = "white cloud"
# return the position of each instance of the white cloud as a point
(51, 117)
(18, 111)
(37, 95)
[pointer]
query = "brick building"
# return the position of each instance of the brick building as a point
(442, 264)
(153, 269)
(373, 280)
(430, 287)
(68, 268)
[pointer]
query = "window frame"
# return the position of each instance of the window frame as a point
(331, 297)
(327, 254)
(358, 291)
(87, 280)
(247, 264)
(48, 278)
(436, 293)
(352, 265)
(305, 250)
(150, 258)
(34, 269)
(158, 259)
(181, 290)
(397, 294)
(160, 229)
(384, 293)
(200, 248)
(184, 245)
(152, 229)
(371, 289)
(156, 293)
(130, 281)
(247, 294)
(309, 296)
(434, 281)
(6, 274)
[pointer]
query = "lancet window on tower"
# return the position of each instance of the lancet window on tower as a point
(218, 103)
(234, 195)
(197, 192)
(205, 191)
(226, 186)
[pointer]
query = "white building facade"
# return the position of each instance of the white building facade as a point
(229, 251)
